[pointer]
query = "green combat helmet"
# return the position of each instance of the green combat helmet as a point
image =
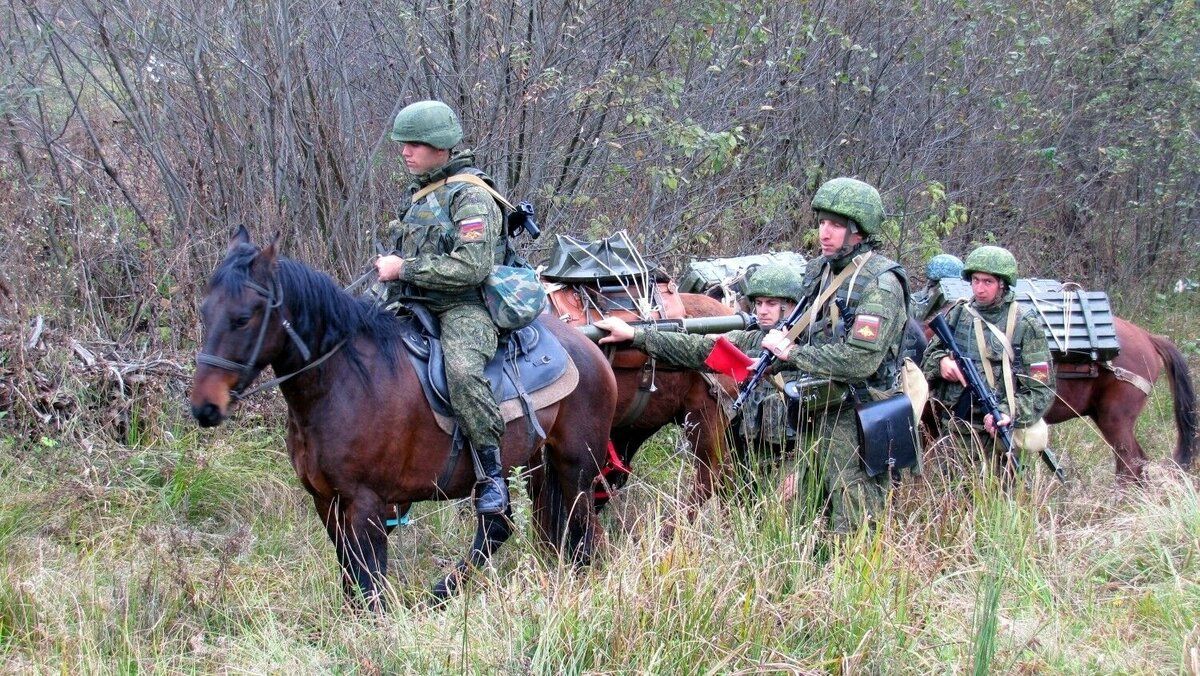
(774, 281)
(430, 122)
(851, 198)
(993, 260)
(943, 266)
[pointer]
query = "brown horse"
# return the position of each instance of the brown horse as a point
(687, 398)
(1112, 395)
(360, 433)
(1113, 402)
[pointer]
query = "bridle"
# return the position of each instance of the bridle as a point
(247, 371)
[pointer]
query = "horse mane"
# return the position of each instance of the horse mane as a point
(317, 303)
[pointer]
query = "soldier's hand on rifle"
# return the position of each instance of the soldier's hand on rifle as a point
(618, 330)
(778, 344)
(389, 267)
(988, 423)
(950, 371)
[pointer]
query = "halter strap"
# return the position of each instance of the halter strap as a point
(246, 371)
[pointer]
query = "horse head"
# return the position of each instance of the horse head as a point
(244, 327)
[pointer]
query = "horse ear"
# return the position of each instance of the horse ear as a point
(239, 236)
(268, 256)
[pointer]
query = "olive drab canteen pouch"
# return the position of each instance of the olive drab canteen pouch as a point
(887, 435)
(808, 395)
(514, 296)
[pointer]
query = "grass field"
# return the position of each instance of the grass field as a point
(197, 551)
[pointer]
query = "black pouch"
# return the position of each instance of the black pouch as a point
(887, 435)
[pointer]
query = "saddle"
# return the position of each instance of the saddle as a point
(530, 370)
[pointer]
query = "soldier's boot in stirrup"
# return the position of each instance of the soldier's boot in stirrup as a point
(491, 494)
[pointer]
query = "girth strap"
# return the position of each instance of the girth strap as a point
(1130, 377)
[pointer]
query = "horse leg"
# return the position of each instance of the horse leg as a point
(707, 439)
(491, 531)
(359, 537)
(565, 509)
(1116, 426)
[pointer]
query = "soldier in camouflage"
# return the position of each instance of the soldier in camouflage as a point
(765, 428)
(445, 246)
(1007, 343)
(926, 302)
(858, 357)
(854, 340)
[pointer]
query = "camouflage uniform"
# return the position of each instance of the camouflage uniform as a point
(1033, 374)
(450, 240)
(766, 426)
(863, 356)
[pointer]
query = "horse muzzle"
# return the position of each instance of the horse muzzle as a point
(207, 414)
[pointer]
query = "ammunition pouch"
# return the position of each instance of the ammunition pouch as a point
(887, 435)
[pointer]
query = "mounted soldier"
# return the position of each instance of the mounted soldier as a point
(446, 245)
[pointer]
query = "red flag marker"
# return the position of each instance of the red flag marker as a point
(726, 358)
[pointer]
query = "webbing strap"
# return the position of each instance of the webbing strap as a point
(463, 178)
(810, 316)
(1006, 357)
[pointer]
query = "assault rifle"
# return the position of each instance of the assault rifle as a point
(723, 324)
(986, 397)
(766, 358)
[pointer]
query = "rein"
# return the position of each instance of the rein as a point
(246, 371)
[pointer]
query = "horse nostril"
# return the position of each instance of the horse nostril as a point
(207, 414)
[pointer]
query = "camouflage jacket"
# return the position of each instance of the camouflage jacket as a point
(1033, 372)
(867, 351)
(450, 240)
(765, 414)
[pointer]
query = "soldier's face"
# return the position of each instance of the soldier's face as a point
(985, 288)
(769, 311)
(833, 237)
(420, 158)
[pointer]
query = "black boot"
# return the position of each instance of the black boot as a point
(491, 494)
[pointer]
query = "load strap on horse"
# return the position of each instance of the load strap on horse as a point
(1079, 324)
(590, 280)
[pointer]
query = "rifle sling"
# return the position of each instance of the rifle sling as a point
(800, 326)
(462, 178)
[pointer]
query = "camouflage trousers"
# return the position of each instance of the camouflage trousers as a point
(469, 342)
(830, 477)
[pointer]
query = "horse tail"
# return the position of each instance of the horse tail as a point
(548, 504)
(1184, 395)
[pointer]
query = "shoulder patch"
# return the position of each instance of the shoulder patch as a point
(866, 328)
(1040, 372)
(471, 230)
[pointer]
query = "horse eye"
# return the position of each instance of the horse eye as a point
(239, 322)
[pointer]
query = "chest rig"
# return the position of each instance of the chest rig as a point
(831, 321)
(427, 226)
